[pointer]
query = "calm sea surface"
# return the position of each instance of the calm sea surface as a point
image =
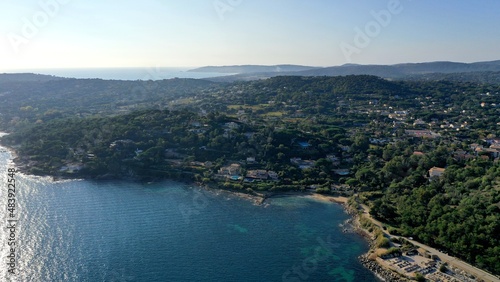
(154, 73)
(120, 231)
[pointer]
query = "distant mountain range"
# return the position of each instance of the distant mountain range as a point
(253, 69)
(398, 71)
(480, 72)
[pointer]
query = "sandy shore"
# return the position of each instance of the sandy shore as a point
(260, 198)
(327, 198)
(382, 272)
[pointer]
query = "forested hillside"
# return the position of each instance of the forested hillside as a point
(28, 99)
(378, 141)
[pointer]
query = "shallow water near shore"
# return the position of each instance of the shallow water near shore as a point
(122, 231)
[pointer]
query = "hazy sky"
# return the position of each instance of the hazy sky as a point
(186, 33)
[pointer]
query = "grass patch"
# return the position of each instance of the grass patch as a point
(184, 101)
(245, 107)
(273, 114)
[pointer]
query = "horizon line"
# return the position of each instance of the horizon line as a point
(234, 65)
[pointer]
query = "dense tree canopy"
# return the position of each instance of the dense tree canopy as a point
(329, 134)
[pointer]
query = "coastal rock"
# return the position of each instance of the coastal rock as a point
(380, 272)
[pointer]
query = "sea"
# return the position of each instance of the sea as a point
(150, 73)
(80, 230)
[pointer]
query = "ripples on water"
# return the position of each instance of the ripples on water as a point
(119, 231)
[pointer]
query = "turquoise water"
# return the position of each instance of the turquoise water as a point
(120, 231)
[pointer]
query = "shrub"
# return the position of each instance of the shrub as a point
(392, 250)
(419, 277)
(383, 242)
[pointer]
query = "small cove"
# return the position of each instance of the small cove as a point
(120, 231)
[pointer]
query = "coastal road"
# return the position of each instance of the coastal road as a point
(453, 261)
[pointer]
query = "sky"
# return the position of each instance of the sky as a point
(38, 34)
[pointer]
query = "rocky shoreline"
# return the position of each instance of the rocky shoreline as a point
(259, 198)
(381, 272)
(350, 225)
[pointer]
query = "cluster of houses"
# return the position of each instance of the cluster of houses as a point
(479, 151)
(260, 174)
(422, 133)
(493, 150)
(398, 115)
(235, 172)
(232, 172)
(302, 164)
(403, 117)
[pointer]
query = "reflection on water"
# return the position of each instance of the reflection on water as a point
(119, 231)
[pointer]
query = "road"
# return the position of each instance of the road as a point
(452, 261)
